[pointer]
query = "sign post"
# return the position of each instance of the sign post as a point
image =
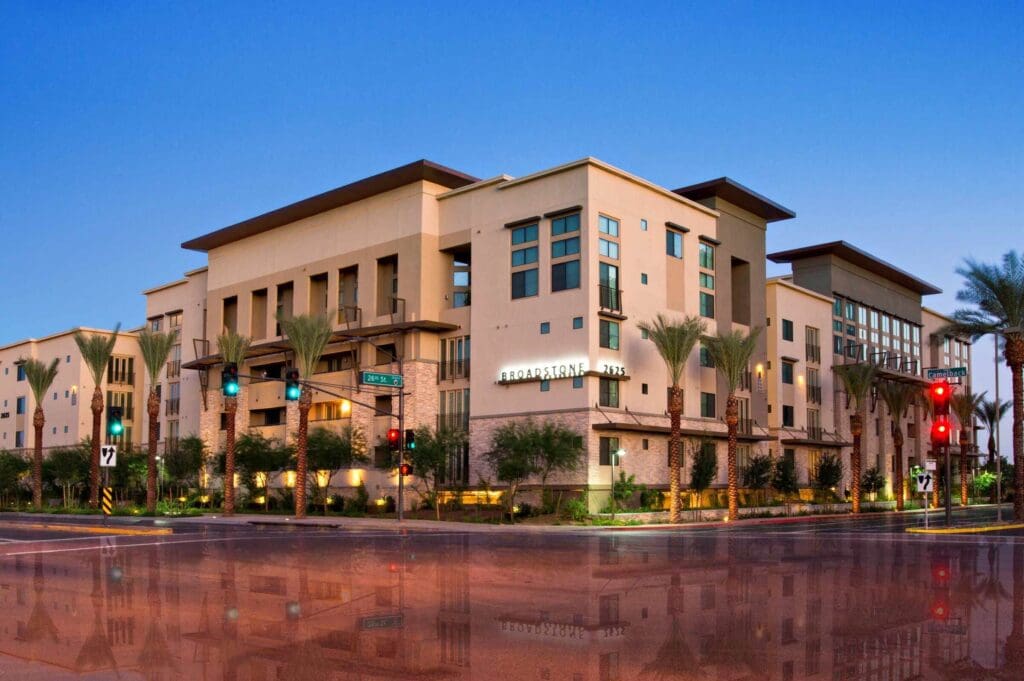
(108, 460)
(925, 482)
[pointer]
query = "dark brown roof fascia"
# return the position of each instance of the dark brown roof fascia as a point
(711, 240)
(563, 211)
(852, 254)
(417, 171)
(735, 193)
(525, 221)
(678, 228)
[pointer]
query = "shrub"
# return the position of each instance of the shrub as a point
(577, 509)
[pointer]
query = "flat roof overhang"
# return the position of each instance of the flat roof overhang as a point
(811, 442)
(275, 347)
(854, 255)
(685, 432)
(739, 195)
(422, 170)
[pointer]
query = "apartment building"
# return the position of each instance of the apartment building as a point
(67, 405)
(847, 306)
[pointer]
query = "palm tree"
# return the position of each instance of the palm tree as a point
(731, 353)
(991, 413)
(897, 397)
(964, 405)
(857, 380)
(233, 348)
(997, 296)
(156, 348)
(40, 377)
(308, 336)
(96, 351)
(674, 341)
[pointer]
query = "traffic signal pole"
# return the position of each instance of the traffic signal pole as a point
(401, 443)
(949, 479)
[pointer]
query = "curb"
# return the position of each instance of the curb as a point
(87, 529)
(964, 530)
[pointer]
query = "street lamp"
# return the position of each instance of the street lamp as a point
(615, 456)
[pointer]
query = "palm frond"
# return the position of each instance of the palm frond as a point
(674, 340)
(96, 350)
(898, 397)
(731, 353)
(155, 347)
(996, 293)
(991, 413)
(233, 347)
(965, 405)
(308, 336)
(40, 376)
(857, 380)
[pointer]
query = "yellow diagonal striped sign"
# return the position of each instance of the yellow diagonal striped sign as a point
(108, 501)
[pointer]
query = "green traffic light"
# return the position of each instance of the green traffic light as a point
(231, 389)
(116, 428)
(292, 392)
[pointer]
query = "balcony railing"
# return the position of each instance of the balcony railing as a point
(350, 314)
(450, 371)
(814, 394)
(121, 378)
(814, 432)
(609, 298)
(174, 368)
(172, 406)
(813, 353)
(745, 427)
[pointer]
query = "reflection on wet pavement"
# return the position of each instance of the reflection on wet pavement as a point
(337, 606)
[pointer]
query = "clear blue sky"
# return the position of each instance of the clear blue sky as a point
(126, 128)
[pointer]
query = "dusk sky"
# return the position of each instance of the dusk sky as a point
(128, 128)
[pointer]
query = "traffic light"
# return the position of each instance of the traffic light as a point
(941, 429)
(394, 439)
(114, 416)
(229, 379)
(410, 439)
(405, 469)
(939, 393)
(292, 387)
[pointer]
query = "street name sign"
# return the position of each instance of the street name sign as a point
(108, 456)
(378, 378)
(951, 372)
(925, 482)
(381, 622)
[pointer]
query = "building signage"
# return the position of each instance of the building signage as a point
(951, 372)
(562, 632)
(381, 622)
(553, 370)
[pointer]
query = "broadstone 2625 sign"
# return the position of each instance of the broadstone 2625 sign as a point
(555, 370)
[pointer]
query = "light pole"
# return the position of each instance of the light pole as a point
(615, 456)
(999, 456)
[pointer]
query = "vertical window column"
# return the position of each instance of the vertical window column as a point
(524, 261)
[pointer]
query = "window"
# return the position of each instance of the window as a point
(608, 249)
(577, 322)
(787, 330)
(608, 447)
(524, 284)
(609, 334)
(837, 345)
(707, 281)
(643, 225)
(565, 224)
(673, 243)
(707, 405)
(787, 373)
(608, 393)
(524, 235)
(851, 311)
(707, 305)
(20, 406)
(643, 334)
(21, 372)
(545, 327)
(577, 382)
(524, 256)
(643, 388)
(643, 278)
(565, 275)
(545, 386)
(706, 256)
(787, 416)
(705, 358)
(571, 246)
(608, 226)
(19, 438)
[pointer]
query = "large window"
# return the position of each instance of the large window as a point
(565, 224)
(608, 393)
(707, 405)
(524, 284)
(20, 406)
(608, 446)
(565, 275)
(607, 225)
(609, 334)
(21, 372)
(787, 416)
(705, 358)
(673, 243)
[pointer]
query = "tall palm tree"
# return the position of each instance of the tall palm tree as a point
(155, 348)
(674, 341)
(40, 377)
(991, 413)
(731, 353)
(964, 405)
(996, 293)
(857, 380)
(898, 397)
(96, 351)
(308, 336)
(233, 348)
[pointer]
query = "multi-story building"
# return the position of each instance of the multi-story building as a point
(67, 406)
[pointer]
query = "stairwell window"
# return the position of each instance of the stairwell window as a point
(608, 393)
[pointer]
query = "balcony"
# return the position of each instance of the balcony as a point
(172, 406)
(449, 371)
(121, 377)
(609, 299)
(813, 353)
(352, 315)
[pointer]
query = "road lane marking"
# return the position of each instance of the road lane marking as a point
(86, 529)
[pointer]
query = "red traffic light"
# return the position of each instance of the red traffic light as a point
(941, 429)
(393, 437)
(940, 393)
(940, 573)
(940, 610)
(405, 469)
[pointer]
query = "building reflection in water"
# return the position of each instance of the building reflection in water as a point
(713, 607)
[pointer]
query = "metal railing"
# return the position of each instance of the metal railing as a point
(745, 427)
(351, 315)
(121, 377)
(455, 421)
(174, 368)
(814, 394)
(449, 371)
(609, 298)
(814, 432)
(172, 406)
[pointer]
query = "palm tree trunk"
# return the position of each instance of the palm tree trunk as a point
(94, 455)
(675, 464)
(732, 420)
(301, 467)
(153, 409)
(856, 428)
(38, 421)
(897, 444)
(231, 407)
(1015, 359)
(964, 444)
